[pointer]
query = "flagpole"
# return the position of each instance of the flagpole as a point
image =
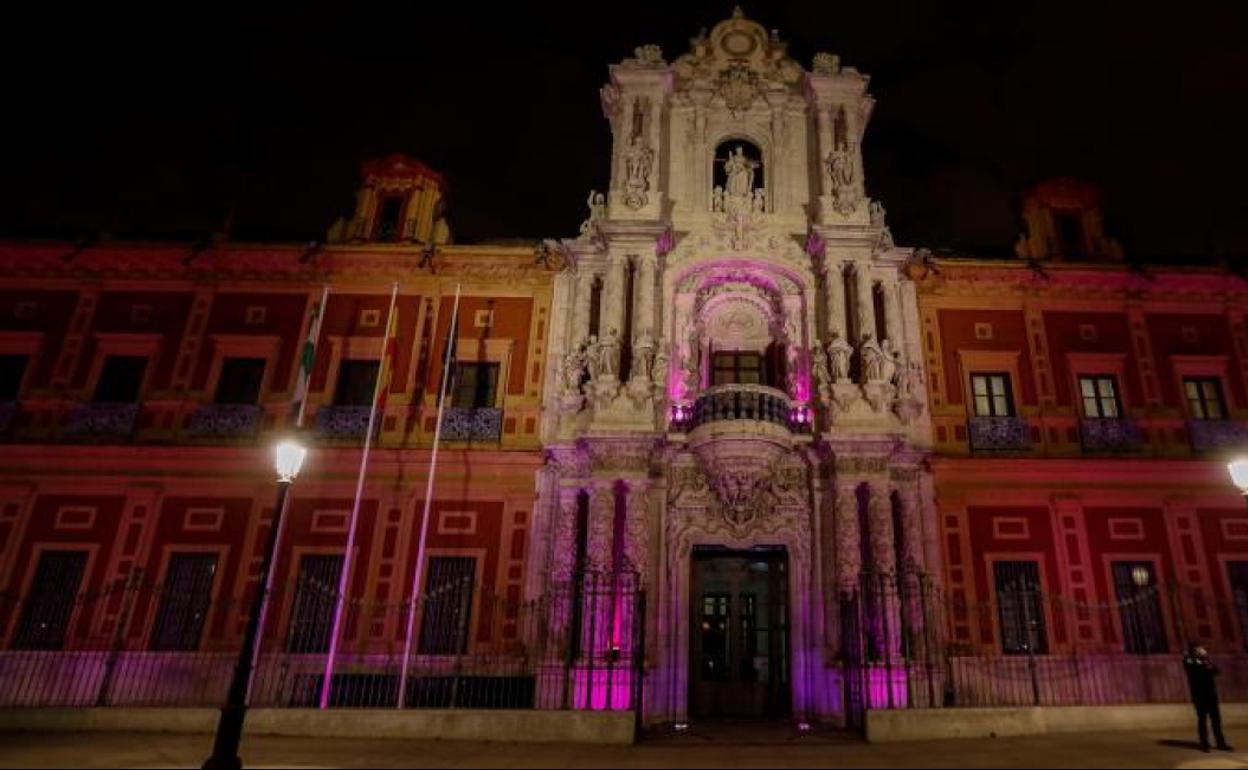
(302, 387)
(344, 579)
(424, 520)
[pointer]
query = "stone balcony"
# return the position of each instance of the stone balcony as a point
(999, 434)
(225, 421)
(1113, 436)
(733, 403)
(102, 420)
(1211, 436)
(473, 425)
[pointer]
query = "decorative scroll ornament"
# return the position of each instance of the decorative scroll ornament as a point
(738, 86)
(826, 64)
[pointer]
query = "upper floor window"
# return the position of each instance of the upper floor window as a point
(738, 369)
(12, 372)
(240, 381)
(356, 382)
(1204, 398)
(993, 395)
(476, 386)
(121, 380)
(1100, 397)
(389, 218)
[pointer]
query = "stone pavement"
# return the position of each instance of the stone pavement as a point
(732, 746)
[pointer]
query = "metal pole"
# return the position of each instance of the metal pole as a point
(424, 520)
(230, 727)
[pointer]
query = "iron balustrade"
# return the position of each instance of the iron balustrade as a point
(1217, 435)
(742, 402)
(103, 420)
(999, 434)
(1108, 435)
(472, 425)
(225, 421)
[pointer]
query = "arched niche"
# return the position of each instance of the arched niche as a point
(738, 168)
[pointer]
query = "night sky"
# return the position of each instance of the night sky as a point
(155, 124)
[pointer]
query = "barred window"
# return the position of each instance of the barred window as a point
(316, 592)
(449, 586)
(185, 600)
(49, 608)
(1139, 606)
(1021, 608)
(1237, 573)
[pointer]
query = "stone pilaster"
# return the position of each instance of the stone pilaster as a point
(864, 301)
(636, 531)
(601, 530)
(848, 536)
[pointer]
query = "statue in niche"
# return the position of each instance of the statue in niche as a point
(760, 200)
(740, 172)
(717, 200)
(658, 373)
(889, 362)
(593, 358)
(609, 355)
(823, 372)
(597, 204)
(841, 171)
(872, 359)
(643, 357)
(574, 364)
(638, 163)
(839, 355)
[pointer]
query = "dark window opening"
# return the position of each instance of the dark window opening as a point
(449, 584)
(389, 218)
(357, 383)
(1139, 607)
(1020, 605)
(1237, 572)
(993, 396)
(1100, 398)
(1069, 226)
(734, 368)
(121, 380)
(626, 338)
(595, 307)
(44, 623)
(316, 592)
(184, 603)
(240, 381)
(881, 318)
(1204, 398)
(12, 372)
(476, 386)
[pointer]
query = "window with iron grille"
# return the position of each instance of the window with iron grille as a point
(357, 381)
(1020, 604)
(1237, 573)
(1100, 397)
(476, 386)
(185, 600)
(449, 585)
(121, 380)
(240, 381)
(1204, 398)
(49, 608)
(993, 396)
(1139, 607)
(12, 372)
(316, 591)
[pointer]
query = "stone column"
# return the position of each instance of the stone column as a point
(643, 316)
(824, 120)
(600, 541)
(636, 529)
(865, 300)
(835, 290)
(853, 135)
(582, 305)
(563, 538)
(892, 316)
(886, 619)
(848, 536)
(613, 305)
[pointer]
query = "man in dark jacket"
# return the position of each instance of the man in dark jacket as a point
(1202, 680)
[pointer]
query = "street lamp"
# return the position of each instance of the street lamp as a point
(1239, 474)
(288, 457)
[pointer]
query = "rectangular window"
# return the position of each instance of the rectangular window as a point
(449, 585)
(12, 372)
(993, 395)
(1100, 397)
(1020, 603)
(389, 214)
(49, 607)
(1069, 225)
(1237, 572)
(732, 368)
(476, 386)
(1204, 398)
(121, 380)
(1139, 607)
(316, 591)
(356, 382)
(185, 599)
(716, 638)
(240, 381)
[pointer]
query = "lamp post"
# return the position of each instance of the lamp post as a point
(1239, 475)
(288, 460)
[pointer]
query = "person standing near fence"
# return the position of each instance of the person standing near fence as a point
(1202, 680)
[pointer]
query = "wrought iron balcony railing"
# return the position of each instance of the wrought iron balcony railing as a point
(103, 419)
(742, 402)
(999, 434)
(1217, 435)
(225, 421)
(472, 425)
(8, 416)
(1111, 435)
(343, 423)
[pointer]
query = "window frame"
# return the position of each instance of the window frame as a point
(484, 396)
(1201, 399)
(204, 590)
(1099, 399)
(222, 380)
(24, 637)
(1023, 604)
(18, 383)
(304, 613)
(1124, 565)
(1006, 394)
(465, 567)
(342, 383)
(140, 386)
(736, 367)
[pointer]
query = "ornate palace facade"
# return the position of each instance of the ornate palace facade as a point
(842, 473)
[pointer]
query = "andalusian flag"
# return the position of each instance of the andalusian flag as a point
(307, 358)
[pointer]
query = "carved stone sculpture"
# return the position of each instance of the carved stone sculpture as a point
(609, 356)
(839, 355)
(597, 204)
(872, 360)
(638, 163)
(740, 172)
(840, 164)
(823, 373)
(643, 357)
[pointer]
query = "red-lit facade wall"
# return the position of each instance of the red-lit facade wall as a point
(132, 502)
(1071, 508)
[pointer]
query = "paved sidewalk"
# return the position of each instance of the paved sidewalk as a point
(746, 749)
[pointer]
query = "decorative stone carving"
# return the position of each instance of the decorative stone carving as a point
(840, 168)
(839, 356)
(600, 538)
(572, 376)
(563, 547)
(636, 529)
(822, 371)
(878, 221)
(643, 357)
(638, 164)
(597, 203)
(621, 457)
(607, 356)
(872, 360)
(646, 57)
(826, 64)
(848, 537)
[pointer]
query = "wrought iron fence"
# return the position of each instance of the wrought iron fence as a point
(134, 643)
(907, 645)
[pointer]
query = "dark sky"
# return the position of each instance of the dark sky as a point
(154, 122)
